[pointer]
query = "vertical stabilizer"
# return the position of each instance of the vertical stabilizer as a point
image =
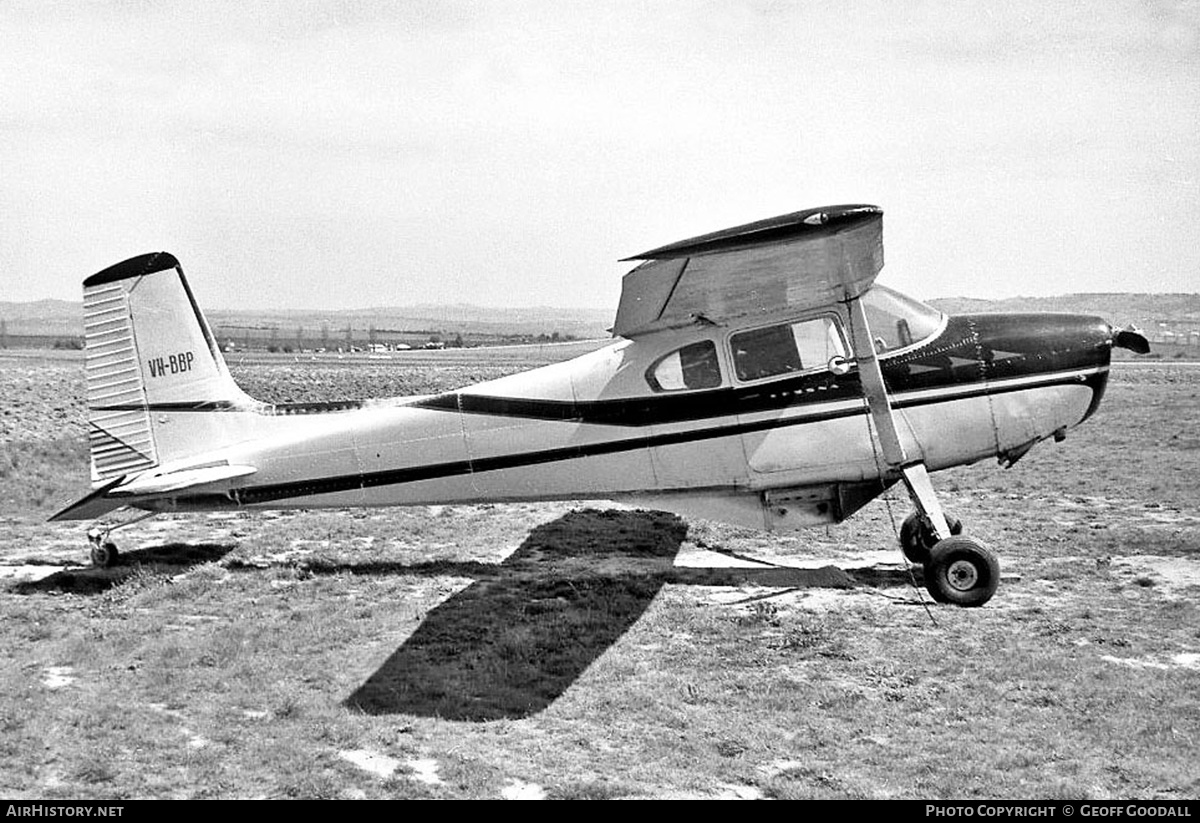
(152, 365)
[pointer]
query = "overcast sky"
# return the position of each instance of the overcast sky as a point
(339, 154)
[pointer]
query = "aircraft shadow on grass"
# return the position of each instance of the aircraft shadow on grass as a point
(515, 639)
(169, 558)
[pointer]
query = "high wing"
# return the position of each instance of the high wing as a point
(801, 260)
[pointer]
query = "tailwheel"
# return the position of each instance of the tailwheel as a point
(104, 555)
(917, 538)
(104, 551)
(962, 571)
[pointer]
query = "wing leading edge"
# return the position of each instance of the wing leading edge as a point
(800, 260)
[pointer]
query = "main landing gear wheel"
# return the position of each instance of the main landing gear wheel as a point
(917, 538)
(962, 571)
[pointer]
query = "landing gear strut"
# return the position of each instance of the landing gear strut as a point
(103, 551)
(958, 569)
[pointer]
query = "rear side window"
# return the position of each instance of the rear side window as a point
(789, 347)
(692, 367)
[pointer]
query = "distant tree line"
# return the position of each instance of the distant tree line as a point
(348, 338)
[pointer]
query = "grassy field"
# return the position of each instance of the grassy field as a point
(591, 651)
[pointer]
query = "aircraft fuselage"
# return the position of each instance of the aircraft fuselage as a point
(601, 426)
(758, 375)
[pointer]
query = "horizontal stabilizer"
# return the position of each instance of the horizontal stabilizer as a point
(120, 492)
(95, 505)
(157, 482)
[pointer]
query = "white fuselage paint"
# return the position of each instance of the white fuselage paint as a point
(406, 454)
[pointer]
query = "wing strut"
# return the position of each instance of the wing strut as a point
(916, 478)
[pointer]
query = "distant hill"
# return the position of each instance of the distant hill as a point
(1113, 306)
(49, 319)
(464, 319)
(1160, 315)
(43, 317)
(1163, 317)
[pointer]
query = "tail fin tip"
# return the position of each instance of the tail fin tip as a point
(134, 267)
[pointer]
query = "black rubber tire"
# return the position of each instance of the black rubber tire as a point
(916, 538)
(105, 555)
(962, 571)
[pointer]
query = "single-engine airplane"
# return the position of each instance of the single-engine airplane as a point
(758, 375)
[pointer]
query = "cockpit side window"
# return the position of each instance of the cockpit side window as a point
(806, 345)
(692, 367)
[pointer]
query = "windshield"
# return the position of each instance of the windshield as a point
(898, 321)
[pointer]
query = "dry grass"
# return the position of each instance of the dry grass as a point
(592, 652)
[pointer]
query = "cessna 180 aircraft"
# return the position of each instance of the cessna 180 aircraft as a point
(758, 375)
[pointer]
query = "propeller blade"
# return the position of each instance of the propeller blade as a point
(1133, 340)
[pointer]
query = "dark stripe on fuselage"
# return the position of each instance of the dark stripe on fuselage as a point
(252, 495)
(971, 350)
(973, 357)
(230, 406)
